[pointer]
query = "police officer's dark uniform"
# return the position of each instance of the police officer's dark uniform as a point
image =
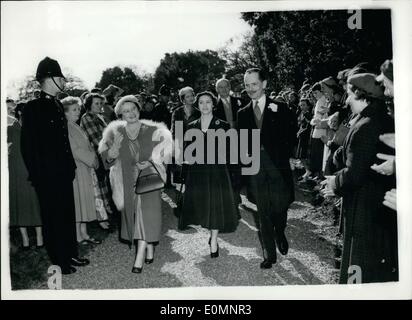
(49, 160)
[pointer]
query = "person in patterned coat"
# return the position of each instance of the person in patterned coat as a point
(93, 123)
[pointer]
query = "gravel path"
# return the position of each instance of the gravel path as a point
(182, 258)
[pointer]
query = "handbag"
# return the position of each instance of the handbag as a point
(148, 180)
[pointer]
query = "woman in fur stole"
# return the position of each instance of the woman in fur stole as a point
(127, 147)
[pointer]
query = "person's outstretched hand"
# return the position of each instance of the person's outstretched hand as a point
(329, 186)
(388, 139)
(386, 168)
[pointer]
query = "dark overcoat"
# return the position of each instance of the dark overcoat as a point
(49, 160)
(370, 230)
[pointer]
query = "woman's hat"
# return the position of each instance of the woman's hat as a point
(48, 68)
(112, 90)
(128, 98)
(367, 82)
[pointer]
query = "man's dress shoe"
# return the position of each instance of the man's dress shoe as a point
(79, 262)
(267, 264)
(68, 270)
(282, 244)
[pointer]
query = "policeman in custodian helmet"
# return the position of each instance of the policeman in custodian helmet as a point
(49, 160)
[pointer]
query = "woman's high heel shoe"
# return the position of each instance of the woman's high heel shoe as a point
(216, 253)
(137, 269)
(149, 261)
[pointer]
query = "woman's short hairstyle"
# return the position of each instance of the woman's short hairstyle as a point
(184, 91)
(205, 93)
(89, 100)
(69, 101)
(129, 98)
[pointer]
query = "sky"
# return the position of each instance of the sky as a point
(88, 37)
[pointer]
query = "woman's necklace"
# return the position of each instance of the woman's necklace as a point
(205, 122)
(133, 132)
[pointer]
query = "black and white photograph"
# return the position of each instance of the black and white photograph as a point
(206, 150)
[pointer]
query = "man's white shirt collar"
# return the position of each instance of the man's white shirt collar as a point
(261, 102)
(225, 100)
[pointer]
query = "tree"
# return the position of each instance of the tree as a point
(198, 69)
(315, 44)
(247, 55)
(240, 58)
(74, 85)
(126, 78)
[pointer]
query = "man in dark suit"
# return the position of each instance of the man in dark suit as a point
(272, 187)
(46, 152)
(227, 106)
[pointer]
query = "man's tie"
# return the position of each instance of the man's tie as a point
(256, 108)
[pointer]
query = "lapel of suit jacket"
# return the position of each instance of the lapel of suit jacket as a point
(220, 108)
(269, 116)
(234, 106)
(251, 115)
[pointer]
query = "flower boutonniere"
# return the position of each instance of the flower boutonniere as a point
(239, 103)
(273, 107)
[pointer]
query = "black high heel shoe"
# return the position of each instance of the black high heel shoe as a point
(149, 261)
(137, 270)
(216, 253)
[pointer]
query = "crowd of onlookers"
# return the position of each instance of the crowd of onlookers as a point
(347, 147)
(345, 142)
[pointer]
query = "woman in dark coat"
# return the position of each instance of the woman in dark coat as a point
(370, 229)
(181, 117)
(23, 201)
(209, 200)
